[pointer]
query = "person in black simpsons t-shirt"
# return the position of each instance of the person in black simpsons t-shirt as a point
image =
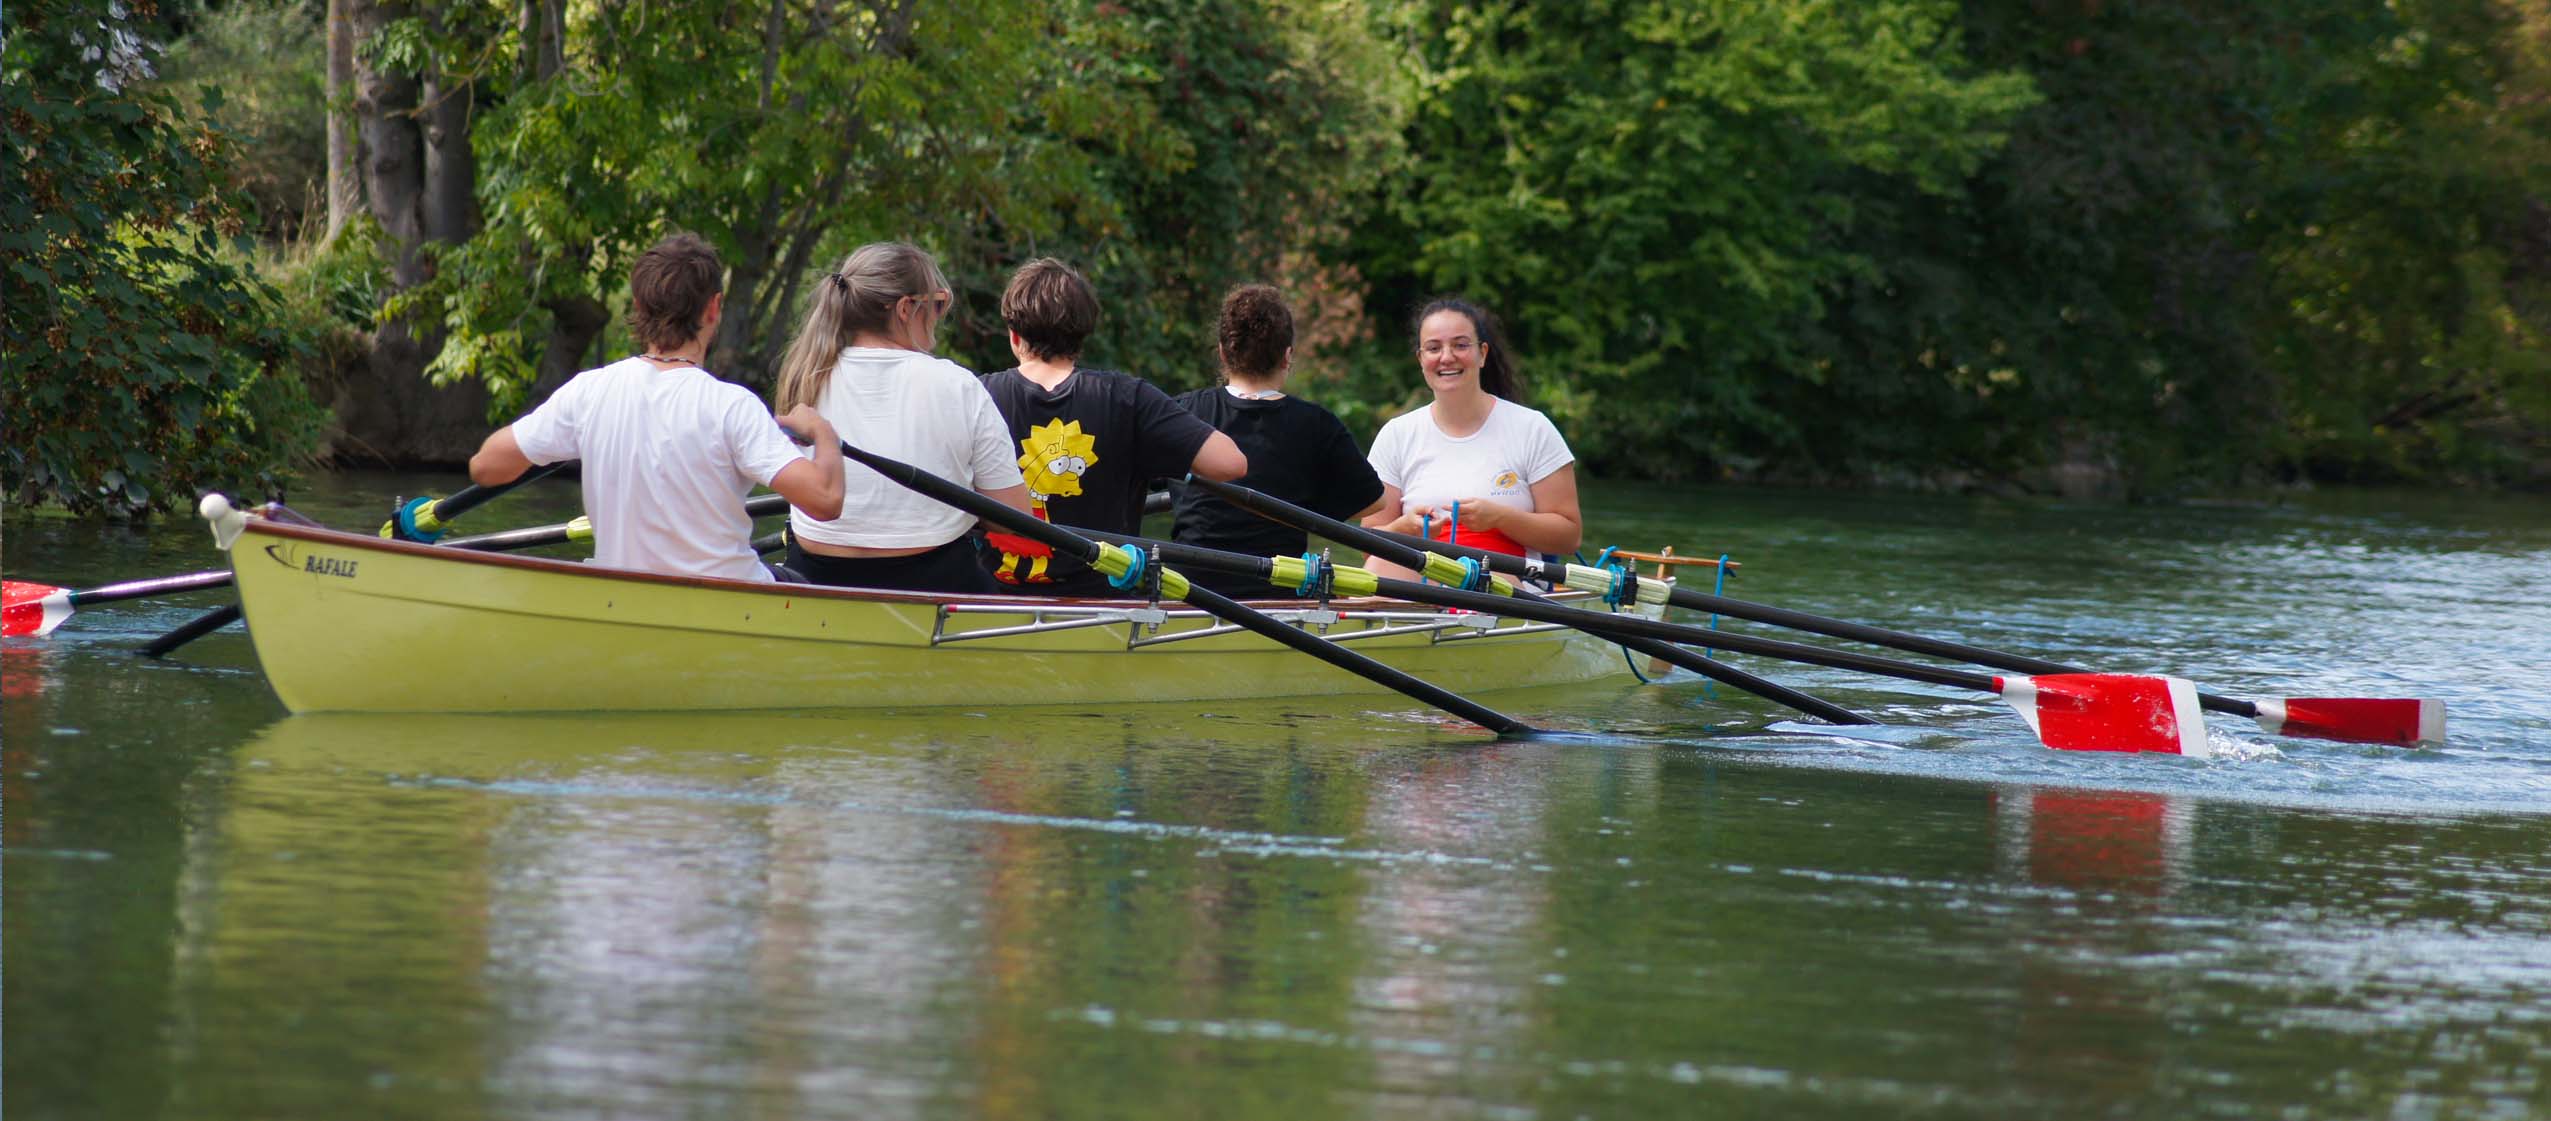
(1090, 441)
(1297, 451)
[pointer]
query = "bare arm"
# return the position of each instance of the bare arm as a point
(813, 485)
(500, 460)
(1385, 511)
(1220, 459)
(1014, 497)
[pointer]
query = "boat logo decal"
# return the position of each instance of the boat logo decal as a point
(289, 555)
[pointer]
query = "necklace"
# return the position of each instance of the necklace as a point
(668, 361)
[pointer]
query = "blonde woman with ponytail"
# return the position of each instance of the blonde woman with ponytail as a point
(863, 361)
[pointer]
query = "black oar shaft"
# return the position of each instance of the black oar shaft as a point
(1243, 565)
(1698, 636)
(1613, 625)
(473, 496)
(1392, 548)
(1223, 607)
(1230, 610)
(1750, 611)
(193, 629)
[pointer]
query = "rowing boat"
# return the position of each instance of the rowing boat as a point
(346, 622)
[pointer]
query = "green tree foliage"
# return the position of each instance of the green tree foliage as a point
(1657, 197)
(2410, 266)
(1170, 149)
(142, 362)
(2188, 263)
(1263, 121)
(262, 58)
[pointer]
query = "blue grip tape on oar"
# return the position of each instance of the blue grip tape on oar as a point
(1133, 576)
(405, 527)
(1315, 568)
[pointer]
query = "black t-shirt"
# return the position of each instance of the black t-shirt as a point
(1089, 450)
(1298, 452)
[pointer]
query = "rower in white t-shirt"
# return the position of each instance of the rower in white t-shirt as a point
(1474, 467)
(863, 361)
(669, 450)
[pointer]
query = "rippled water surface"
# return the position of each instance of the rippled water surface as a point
(1692, 904)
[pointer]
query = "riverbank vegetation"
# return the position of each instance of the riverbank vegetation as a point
(2044, 244)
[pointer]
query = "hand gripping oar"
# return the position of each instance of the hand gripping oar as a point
(2079, 712)
(1122, 564)
(424, 520)
(1445, 570)
(2393, 720)
(419, 516)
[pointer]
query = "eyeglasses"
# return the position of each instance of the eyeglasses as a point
(1433, 347)
(937, 304)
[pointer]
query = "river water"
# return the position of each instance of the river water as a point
(1694, 905)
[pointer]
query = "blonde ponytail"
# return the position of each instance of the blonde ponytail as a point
(859, 296)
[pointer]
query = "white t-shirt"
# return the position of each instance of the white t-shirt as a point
(1516, 448)
(926, 411)
(669, 456)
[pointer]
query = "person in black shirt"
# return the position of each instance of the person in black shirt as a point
(1297, 451)
(1090, 441)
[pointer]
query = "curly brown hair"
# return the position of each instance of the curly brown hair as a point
(1255, 331)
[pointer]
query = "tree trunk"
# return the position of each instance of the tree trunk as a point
(449, 204)
(393, 143)
(574, 323)
(418, 181)
(345, 176)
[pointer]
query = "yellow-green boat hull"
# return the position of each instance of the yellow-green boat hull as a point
(347, 623)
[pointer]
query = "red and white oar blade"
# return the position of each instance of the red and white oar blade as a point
(2356, 719)
(2110, 712)
(27, 608)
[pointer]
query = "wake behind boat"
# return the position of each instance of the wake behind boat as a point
(345, 622)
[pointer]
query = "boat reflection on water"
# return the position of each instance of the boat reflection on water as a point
(819, 912)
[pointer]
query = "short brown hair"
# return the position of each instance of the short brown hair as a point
(1255, 331)
(1052, 307)
(670, 290)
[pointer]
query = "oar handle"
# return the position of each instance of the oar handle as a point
(423, 520)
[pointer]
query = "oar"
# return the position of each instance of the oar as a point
(2078, 712)
(2392, 720)
(32, 608)
(424, 520)
(1394, 549)
(1122, 564)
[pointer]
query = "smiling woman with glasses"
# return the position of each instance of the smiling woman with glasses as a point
(1474, 467)
(863, 361)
